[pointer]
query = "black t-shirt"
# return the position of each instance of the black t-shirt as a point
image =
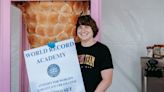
(93, 60)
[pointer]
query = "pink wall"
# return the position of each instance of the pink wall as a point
(5, 44)
(96, 13)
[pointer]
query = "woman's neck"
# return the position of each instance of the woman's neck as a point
(88, 43)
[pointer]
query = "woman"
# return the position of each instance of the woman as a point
(94, 57)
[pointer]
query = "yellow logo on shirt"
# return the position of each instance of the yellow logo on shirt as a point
(87, 60)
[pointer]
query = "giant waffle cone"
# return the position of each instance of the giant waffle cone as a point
(51, 21)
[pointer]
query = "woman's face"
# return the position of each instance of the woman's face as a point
(84, 32)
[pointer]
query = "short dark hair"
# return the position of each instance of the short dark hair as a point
(88, 21)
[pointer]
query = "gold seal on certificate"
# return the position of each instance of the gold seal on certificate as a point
(54, 69)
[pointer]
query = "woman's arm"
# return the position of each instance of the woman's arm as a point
(106, 80)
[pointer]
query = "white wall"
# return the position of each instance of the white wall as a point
(15, 45)
(128, 26)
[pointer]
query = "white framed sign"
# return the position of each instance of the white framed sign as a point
(54, 69)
